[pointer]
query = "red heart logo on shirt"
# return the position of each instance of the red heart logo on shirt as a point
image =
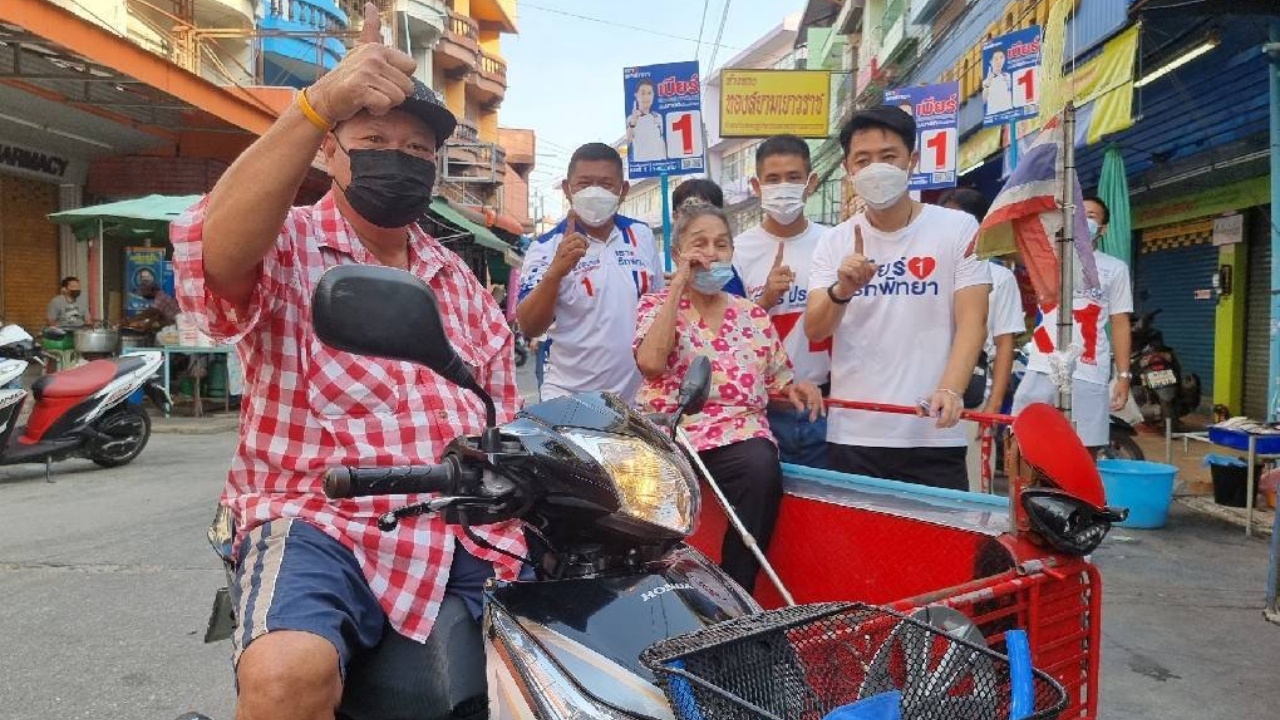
(922, 267)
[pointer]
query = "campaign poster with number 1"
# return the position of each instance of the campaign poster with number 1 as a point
(1011, 77)
(664, 120)
(936, 111)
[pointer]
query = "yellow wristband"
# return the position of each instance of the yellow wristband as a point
(310, 112)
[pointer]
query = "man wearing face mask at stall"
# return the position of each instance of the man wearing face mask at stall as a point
(1091, 407)
(586, 275)
(773, 259)
(326, 599)
(903, 296)
(67, 310)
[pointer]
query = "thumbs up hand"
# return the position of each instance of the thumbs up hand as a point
(779, 281)
(370, 77)
(856, 270)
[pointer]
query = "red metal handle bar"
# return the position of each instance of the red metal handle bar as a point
(978, 417)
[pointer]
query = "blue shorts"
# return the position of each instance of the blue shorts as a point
(800, 441)
(291, 576)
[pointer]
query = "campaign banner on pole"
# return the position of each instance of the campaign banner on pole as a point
(760, 103)
(664, 120)
(1011, 77)
(936, 111)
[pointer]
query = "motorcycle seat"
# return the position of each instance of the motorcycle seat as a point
(76, 382)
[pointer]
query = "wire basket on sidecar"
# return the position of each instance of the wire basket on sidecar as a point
(804, 662)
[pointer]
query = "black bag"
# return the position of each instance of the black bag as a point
(976, 392)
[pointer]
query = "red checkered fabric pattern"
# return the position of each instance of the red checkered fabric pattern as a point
(308, 407)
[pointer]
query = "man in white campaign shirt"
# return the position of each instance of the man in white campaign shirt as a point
(900, 290)
(586, 276)
(1090, 405)
(773, 261)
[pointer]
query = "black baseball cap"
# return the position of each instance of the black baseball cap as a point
(426, 105)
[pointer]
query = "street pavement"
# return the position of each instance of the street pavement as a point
(1183, 634)
(108, 581)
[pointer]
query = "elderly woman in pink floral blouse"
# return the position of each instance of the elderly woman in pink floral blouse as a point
(695, 316)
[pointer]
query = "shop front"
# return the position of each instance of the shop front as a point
(1204, 260)
(77, 101)
(32, 182)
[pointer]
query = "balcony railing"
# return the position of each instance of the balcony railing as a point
(319, 14)
(467, 131)
(229, 55)
(463, 27)
(490, 65)
(473, 162)
(892, 13)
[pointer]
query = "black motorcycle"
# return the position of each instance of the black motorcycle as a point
(1161, 389)
(609, 497)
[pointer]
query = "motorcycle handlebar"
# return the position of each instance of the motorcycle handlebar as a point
(350, 482)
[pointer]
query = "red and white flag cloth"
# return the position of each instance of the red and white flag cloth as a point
(1027, 215)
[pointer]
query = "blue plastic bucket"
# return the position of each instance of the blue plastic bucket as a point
(1146, 488)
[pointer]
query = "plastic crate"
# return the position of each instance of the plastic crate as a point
(806, 661)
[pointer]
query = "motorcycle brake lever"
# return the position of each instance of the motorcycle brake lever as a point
(389, 520)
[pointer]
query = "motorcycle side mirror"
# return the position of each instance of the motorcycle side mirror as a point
(694, 389)
(388, 313)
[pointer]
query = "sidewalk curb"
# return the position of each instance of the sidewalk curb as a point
(1204, 505)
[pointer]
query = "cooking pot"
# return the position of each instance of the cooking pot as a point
(98, 341)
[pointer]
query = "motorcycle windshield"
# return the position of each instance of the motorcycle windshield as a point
(617, 618)
(601, 412)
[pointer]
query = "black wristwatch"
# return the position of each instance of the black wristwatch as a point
(831, 293)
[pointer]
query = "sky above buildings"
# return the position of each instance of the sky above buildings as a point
(565, 66)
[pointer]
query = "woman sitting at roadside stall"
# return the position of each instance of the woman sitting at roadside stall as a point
(695, 316)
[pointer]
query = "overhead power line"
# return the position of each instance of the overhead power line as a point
(715, 48)
(701, 26)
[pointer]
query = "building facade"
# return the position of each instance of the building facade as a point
(1186, 128)
(104, 100)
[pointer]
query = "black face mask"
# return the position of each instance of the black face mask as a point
(74, 294)
(389, 188)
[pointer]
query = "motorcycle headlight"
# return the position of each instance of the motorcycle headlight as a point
(654, 487)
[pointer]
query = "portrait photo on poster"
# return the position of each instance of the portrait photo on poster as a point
(1011, 77)
(935, 108)
(663, 120)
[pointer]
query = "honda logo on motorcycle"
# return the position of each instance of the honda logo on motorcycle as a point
(664, 589)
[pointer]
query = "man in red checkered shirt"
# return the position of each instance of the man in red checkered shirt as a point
(323, 596)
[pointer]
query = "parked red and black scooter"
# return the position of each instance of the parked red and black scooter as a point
(92, 411)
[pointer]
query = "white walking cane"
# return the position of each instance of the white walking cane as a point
(729, 512)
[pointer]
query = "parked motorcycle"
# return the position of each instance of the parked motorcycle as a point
(87, 411)
(610, 498)
(1161, 390)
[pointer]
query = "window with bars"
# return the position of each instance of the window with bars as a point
(739, 164)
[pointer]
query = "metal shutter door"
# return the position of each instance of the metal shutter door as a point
(1257, 341)
(1171, 273)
